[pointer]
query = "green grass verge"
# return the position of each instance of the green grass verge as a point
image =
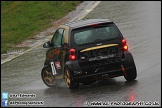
(23, 19)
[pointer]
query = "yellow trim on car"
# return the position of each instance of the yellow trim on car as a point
(66, 33)
(98, 47)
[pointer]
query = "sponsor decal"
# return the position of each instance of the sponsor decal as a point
(101, 57)
(83, 57)
(109, 53)
(57, 64)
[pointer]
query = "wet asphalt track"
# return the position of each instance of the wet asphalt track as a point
(140, 24)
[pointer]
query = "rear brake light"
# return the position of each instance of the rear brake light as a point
(72, 53)
(123, 41)
(125, 47)
(72, 57)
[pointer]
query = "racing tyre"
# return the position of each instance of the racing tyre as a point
(70, 83)
(47, 76)
(131, 73)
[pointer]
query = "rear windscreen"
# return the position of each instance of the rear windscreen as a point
(95, 34)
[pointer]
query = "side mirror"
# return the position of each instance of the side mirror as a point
(46, 45)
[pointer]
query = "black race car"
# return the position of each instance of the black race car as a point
(86, 51)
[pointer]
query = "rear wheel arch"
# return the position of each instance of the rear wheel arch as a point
(47, 76)
(68, 78)
(129, 60)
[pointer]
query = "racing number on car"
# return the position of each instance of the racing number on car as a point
(57, 65)
(53, 68)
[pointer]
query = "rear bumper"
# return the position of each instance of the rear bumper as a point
(96, 71)
(101, 75)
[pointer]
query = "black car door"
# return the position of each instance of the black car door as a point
(55, 53)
